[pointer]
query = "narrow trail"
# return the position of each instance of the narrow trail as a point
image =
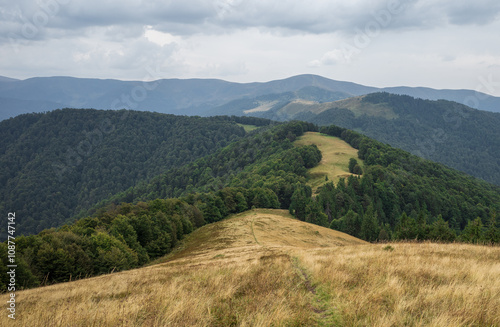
(253, 233)
(325, 316)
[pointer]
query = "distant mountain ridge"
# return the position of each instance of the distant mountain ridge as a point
(7, 79)
(189, 96)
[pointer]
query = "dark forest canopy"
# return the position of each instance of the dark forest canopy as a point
(56, 164)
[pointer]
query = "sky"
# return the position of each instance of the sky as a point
(443, 44)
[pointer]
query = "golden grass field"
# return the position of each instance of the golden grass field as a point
(263, 268)
(335, 163)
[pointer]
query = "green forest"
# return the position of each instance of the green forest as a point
(58, 164)
(395, 196)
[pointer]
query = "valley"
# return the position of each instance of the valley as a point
(262, 267)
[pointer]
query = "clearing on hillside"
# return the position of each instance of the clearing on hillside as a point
(359, 108)
(335, 163)
(248, 128)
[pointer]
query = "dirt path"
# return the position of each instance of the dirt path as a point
(324, 315)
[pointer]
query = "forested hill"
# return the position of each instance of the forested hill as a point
(393, 182)
(390, 195)
(56, 164)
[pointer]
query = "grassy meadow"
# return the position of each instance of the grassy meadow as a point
(263, 268)
(248, 128)
(335, 162)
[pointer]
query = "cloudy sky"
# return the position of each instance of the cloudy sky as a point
(438, 43)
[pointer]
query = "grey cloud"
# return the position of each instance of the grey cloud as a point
(218, 16)
(474, 12)
(346, 17)
(424, 14)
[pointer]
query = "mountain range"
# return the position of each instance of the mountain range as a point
(193, 96)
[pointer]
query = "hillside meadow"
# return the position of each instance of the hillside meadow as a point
(335, 161)
(264, 268)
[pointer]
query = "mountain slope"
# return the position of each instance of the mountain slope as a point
(54, 165)
(334, 163)
(261, 267)
(192, 96)
(7, 79)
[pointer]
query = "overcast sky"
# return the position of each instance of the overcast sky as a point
(439, 43)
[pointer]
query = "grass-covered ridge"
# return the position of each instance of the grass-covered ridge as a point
(443, 131)
(335, 158)
(262, 267)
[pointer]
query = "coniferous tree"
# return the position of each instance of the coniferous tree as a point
(315, 214)
(492, 234)
(473, 232)
(300, 200)
(441, 231)
(370, 226)
(422, 228)
(407, 228)
(350, 223)
(383, 235)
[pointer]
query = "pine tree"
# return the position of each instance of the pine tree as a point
(422, 228)
(473, 232)
(492, 234)
(407, 228)
(315, 215)
(383, 235)
(369, 225)
(351, 223)
(299, 202)
(441, 231)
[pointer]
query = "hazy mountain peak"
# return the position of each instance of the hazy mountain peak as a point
(7, 79)
(194, 96)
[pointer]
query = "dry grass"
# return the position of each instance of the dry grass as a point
(336, 154)
(262, 268)
(232, 273)
(413, 285)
